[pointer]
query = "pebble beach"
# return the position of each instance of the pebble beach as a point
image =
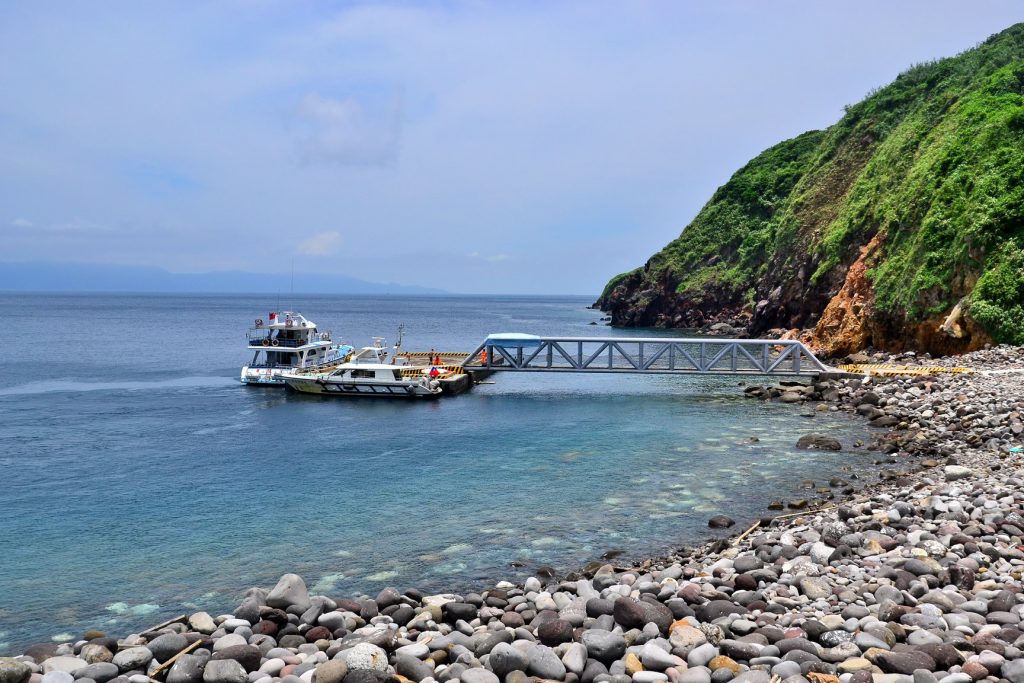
(911, 574)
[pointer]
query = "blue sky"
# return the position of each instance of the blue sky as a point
(527, 147)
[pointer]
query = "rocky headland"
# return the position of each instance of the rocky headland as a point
(914, 577)
(900, 227)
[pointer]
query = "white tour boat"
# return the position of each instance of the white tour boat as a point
(288, 341)
(368, 373)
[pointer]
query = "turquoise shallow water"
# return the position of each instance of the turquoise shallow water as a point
(141, 480)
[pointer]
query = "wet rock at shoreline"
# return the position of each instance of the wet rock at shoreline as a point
(721, 522)
(819, 441)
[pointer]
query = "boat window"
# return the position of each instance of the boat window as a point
(363, 374)
(398, 374)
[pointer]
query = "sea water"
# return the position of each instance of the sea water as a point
(140, 480)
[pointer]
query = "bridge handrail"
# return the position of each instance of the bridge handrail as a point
(529, 355)
(676, 340)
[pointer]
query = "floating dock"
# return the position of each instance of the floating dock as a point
(455, 377)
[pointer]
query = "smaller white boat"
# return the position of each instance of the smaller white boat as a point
(364, 379)
(369, 374)
(288, 341)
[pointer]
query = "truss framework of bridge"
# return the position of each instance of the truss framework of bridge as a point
(655, 355)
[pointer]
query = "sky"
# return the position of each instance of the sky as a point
(478, 147)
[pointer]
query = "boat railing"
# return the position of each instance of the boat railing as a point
(263, 337)
(274, 342)
(270, 366)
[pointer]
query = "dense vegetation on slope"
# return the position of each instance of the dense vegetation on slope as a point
(724, 246)
(875, 229)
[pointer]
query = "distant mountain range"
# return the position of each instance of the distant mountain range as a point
(80, 277)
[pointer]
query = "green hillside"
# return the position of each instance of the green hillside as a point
(926, 175)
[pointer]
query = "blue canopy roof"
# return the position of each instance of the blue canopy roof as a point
(513, 340)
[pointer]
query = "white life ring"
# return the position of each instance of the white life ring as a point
(274, 342)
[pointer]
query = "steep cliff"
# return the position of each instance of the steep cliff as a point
(901, 226)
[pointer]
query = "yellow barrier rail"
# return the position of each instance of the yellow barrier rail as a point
(888, 370)
(418, 370)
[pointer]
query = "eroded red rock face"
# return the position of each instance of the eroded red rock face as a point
(849, 321)
(844, 326)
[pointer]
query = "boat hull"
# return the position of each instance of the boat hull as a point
(346, 388)
(255, 377)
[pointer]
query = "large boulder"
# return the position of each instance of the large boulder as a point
(544, 663)
(504, 659)
(332, 671)
(202, 622)
(94, 652)
(603, 646)
(290, 591)
(555, 632)
(224, 671)
(249, 610)
(453, 611)
(365, 656)
(13, 671)
(248, 656)
(478, 676)
(166, 646)
(66, 664)
(40, 652)
(904, 662)
(629, 613)
(716, 609)
(410, 667)
(101, 672)
(133, 659)
(58, 677)
(186, 669)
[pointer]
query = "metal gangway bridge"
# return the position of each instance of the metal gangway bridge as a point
(646, 355)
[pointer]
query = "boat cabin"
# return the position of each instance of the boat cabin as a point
(367, 371)
(288, 340)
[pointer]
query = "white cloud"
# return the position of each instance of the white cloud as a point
(322, 244)
(489, 258)
(75, 226)
(350, 132)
